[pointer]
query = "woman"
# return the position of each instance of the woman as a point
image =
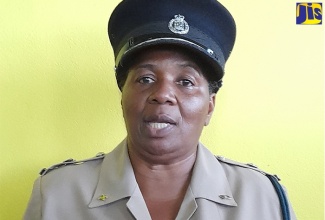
(170, 58)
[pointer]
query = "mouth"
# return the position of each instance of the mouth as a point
(159, 121)
(157, 125)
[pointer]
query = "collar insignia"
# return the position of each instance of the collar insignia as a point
(102, 197)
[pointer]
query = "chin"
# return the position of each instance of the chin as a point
(160, 149)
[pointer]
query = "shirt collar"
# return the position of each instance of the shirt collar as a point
(117, 180)
(209, 180)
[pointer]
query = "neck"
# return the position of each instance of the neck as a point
(162, 180)
(163, 185)
(156, 170)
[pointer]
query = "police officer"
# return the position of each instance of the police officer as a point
(170, 57)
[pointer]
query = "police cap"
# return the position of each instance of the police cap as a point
(205, 27)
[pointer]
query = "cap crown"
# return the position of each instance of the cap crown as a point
(203, 26)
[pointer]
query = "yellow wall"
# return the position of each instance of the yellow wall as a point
(58, 97)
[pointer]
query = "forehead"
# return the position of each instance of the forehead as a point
(156, 55)
(145, 53)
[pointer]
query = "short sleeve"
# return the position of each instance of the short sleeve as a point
(33, 211)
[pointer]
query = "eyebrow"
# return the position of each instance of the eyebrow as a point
(143, 66)
(184, 64)
(192, 65)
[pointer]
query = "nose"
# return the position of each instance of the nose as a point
(162, 93)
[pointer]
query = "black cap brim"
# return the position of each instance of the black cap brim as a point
(201, 53)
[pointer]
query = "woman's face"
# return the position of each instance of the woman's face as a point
(166, 103)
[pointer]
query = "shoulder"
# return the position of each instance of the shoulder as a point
(228, 163)
(71, 174)
(246, 174)
(75, 167)
(251, 184)
(69, 179)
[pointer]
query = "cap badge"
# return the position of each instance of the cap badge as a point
(178, 25)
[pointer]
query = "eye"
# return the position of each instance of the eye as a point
(185, 83)
(145, 80)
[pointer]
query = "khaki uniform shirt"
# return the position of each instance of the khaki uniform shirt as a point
(105, 188)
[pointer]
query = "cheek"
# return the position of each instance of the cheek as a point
(129, 115)
(195, 110)
(127, 104)
(132, 105)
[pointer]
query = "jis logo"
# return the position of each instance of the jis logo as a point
(309, 13)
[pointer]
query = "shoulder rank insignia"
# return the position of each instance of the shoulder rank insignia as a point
(70, 162)
(247, 165)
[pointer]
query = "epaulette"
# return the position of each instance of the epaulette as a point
(245, 165)
(71, 161)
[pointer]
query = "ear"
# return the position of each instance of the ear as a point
(212, 99)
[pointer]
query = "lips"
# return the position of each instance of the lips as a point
(160, 120)
(159, 123)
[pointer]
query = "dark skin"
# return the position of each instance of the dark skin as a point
(166, 103)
